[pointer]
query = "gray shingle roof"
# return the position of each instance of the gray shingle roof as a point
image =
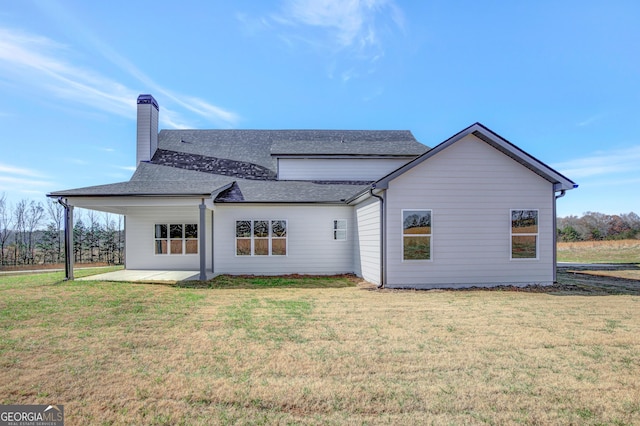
(152, 179)
(291, 192)
(199, 162)
(351, 142)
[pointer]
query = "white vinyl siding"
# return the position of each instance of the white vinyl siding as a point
(337, 169)
(471, 187)
(140, 241)
(310, 245)
(367, 224)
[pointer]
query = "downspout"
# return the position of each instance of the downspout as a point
(203, 243)
(382, 234)
(68, 240)
(555, 236)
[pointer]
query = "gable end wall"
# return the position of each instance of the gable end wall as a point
(470, 188)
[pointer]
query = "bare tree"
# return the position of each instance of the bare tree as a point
(33, 219)
(19, 234)
(56, 216)
(5, 227)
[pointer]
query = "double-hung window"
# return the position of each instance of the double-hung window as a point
(416, 235)
(261, 237)
(340, 229)
(524, 234)
(176, 238)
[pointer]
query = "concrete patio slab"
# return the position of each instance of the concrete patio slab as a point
(132, 275)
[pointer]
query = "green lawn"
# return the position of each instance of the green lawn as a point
(289, 350)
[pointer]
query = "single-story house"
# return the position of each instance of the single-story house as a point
(474, 210)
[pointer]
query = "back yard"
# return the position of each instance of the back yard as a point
(321, 351)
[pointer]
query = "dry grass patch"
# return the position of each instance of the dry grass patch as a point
(628, 274)
(150, 354)
(618, 251)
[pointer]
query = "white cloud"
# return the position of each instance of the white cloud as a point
(37, 62)
(590, 120)
(12, 170)
(352, 30)
(19, 180)
(600, 163)
(126, 168)
(346, 24)
(350, 23)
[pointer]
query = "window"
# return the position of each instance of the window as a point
(416, 235)
(176, 238)
(524, 234)
(261, 237)
(340, 229)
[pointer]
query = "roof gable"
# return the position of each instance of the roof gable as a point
(496, 141)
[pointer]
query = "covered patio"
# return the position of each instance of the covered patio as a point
(148, 276)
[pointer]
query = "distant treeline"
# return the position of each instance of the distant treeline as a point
(32, 233)
(593, 226)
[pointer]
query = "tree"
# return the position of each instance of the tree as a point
(79, 239)
(598, 226)
(5, 227)
(19, 221)
(49, 244)
(94, 232)
(109, 243)
(56, 218)
(33, 219)
(568, 234)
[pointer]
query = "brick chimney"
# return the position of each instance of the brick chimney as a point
(147, 134)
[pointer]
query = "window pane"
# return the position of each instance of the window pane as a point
(161, 231)
(261, 228)
(416, 248)
(416, 222)
(279, 247)
(524, 221)
(339, 235)
(161, 246)
(175, 231)
(191, 231)
(191, 247)
(523, 247)
(243, 247)
(339, 224)
(243, 228)
(176, 246)
(279, 228)
(261, 247)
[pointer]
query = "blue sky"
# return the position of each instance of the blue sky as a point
(559, 79)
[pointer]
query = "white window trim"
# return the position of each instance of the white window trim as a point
(535, 234)
(184, 240)
(402, 235)
(270, 238)
(335, 230)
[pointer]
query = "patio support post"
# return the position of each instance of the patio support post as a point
(203, 243)
(68, 240)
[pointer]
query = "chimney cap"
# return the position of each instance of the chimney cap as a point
(148, 99)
